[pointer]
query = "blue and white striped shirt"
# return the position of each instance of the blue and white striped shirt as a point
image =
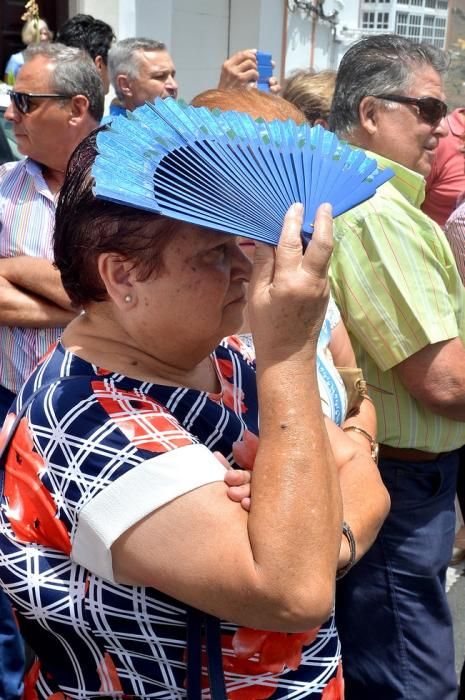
(27, 218)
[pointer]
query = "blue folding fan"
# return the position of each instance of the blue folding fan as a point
(227, 171)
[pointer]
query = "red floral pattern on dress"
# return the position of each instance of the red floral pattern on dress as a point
(109, 676)
(335, 688)
(30, 680)
(275, 650)
(237, 344)
(245, 450)
(143, 420)
(232, 396)
(31, 510)
(106, 670)
(47, 353)
(251, 652)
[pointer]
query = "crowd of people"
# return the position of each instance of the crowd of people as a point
(148, 366)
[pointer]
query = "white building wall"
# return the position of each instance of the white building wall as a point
(201, 34)
(313, 43)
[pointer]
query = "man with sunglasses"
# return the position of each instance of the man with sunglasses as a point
(56, 101)
(395, 280)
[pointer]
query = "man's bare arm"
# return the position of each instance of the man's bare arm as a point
(25, 310)
(38, 276)
(435, 376)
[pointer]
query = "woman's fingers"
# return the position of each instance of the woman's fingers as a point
(289, 249)
(289, 291)
(318, 253)
(238, 482)
(263, 267)
(238, 477)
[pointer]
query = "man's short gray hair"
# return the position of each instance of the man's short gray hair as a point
(74, 74)
(123, 58)
(386, 63)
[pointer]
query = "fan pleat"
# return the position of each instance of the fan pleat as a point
(227, 171)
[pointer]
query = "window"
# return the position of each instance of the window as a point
(419, 3)
(430, 29)
(382, 20)
(401, 23)
(442, 5)
(368, 20)
(414, 28)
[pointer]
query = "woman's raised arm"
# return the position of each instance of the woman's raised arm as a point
(273, 568)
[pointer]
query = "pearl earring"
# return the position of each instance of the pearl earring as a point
(128, 298)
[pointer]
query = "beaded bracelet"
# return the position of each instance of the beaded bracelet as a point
(346, 530)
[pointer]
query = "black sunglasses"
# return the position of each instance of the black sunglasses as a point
(430, 109)
(21, 100)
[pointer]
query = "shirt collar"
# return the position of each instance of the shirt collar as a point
(34, 169)
(409, 183)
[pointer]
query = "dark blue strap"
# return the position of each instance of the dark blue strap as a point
(194, 653)
(215, 658)
(197, 622)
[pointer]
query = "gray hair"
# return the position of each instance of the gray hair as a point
(386, 63)
(74, 74)
(123, 58)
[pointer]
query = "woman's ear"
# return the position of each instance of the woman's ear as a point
(368, 114)
(118, 276)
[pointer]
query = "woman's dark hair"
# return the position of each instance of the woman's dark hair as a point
(86, 226)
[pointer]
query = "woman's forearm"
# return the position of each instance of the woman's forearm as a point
(296, 514)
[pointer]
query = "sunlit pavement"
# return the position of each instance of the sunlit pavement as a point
(456, 595)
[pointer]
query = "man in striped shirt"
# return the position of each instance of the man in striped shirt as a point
(401, 297)
(56, 102)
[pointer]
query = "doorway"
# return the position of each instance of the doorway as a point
(55, 12)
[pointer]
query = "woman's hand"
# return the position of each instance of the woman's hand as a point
(358, 475)
(289, 289)
(237, 481)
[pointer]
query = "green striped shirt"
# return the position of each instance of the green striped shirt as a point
(396, 283)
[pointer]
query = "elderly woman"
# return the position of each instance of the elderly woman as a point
(343, 394)
(118, 543)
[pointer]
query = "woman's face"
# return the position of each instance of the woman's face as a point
(200, 295)
(44, 33)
